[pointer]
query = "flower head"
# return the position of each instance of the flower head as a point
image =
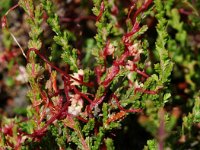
(134, 49)
(76, 105)
(78, 76)
(130, 65)
(110, 49)
(22, 76)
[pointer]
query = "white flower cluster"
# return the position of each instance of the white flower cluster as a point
(78, 76)
(134, 49)
(76, 105)
(130, 65)
(135, 84)
(138, 85)
(22, 76)
(110, 49)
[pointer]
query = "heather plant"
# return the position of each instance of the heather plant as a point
(95, 78)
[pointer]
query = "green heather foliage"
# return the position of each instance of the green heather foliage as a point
(138, 68)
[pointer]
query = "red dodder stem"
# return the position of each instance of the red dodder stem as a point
(82, 94)
(79, 19)
(11, 9)
(56, 68)
(3, 19)
(122, 108)
(145, 91)
(141, 9)
(101, 11)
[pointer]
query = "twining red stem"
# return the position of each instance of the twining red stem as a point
(141, 9)
(12, 8)
(3, 19)
(56, 68)
(66, 89)
(101, 11)
(95, 102)
(79, 19)
(142, 73)
(82, 94)
(50, 121)
(135, 29)
(185, 12)
(114, 70)
(145, 91)
(122, 108)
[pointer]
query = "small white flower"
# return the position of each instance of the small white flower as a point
(48, 85)
(110, 49)
(130, 76)
(130, 65)
(134, 49)
(127, 40)
(78, 76)
(137, 85)
(96, 110)
(140, 51)
(22, 76)
(76, 105)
